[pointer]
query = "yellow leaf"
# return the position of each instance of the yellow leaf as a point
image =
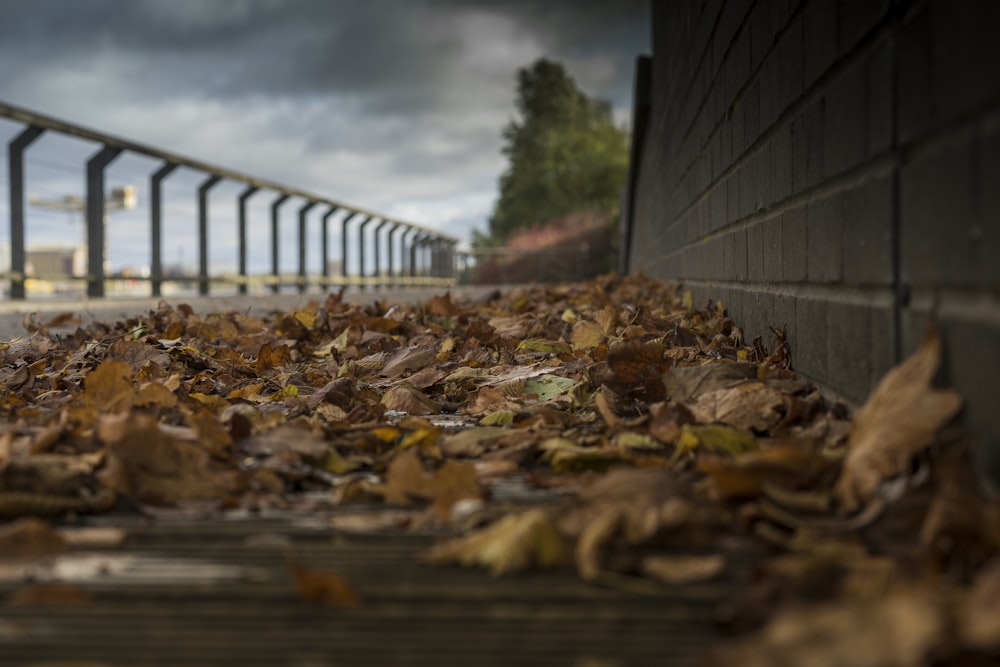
(512, 544)
(586, 335)
(543, 346)
(715, 438)
(498, 418)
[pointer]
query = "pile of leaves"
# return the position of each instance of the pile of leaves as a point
(610, 426)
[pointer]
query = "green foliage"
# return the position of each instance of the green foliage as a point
(565, 154)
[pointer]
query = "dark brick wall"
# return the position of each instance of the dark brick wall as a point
(832, 166)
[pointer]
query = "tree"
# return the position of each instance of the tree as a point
(564, 150)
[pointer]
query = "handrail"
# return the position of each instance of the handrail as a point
(112, 146)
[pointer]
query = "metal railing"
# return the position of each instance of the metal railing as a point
(430, 253)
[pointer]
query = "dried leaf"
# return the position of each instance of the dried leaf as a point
(321, 588)
(29, 539)
(586, 335)
(678, 570)
(899, 420)
(513, 544)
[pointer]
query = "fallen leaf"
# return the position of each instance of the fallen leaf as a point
(407, 398)
(512, 544)
(586, 335)
(899, 420)
(29, 539)
(321, 588)
(50, 595)
(678, 570)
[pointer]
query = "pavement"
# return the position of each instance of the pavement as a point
(13, 313)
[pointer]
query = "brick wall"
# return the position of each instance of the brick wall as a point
(832, 166)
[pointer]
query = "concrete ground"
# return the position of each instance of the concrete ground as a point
(13, 313)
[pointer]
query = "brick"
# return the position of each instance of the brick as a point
(856, 18)
(820, 38)
(846, 122)
(914, 101)
(867, 214)
(965, 56)
(781, 165)
(824, 240)
(717, 206)
(761, 34)
(764, 197)
(880, 80)
(751, 109)
(770, 96)
(755, 253)
(791, 50)
(738, 122)
(733, 196)
(739, 271)
(772, 230)
(749, 185)
(974, 375)
(849, 331)
(882, 349)
(989, 209)
(808, 147)
(726, 141)
(809, 347)
(938, 221)
(794, 247)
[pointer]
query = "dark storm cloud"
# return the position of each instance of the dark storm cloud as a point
(396, 105)
(390, 53)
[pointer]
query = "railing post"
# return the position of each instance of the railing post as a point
(325, 246)
(275, 256)
(361, 249)
(418, 242)
(389, 270)
(404, 254)
(303, 210)
(241, 236)
(15, 177)
(343, 244)
(203, 189)
(95, 218)
(156, 226)
(378, 252)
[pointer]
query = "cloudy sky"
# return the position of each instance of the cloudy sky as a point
(392, 105)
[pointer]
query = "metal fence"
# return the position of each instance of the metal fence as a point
(426, 256)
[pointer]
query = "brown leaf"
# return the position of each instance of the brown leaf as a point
(676, 570)
(407, 398)
(321, 588)
(902, 630)
(687, 383)
(108, 385)
(752, 406)
(900, 419)
(29, 539)
(50, 595)
(150, 465)
(410, 358)
(442, 305)
(137, 353)
(979, 616)
(406, 481)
